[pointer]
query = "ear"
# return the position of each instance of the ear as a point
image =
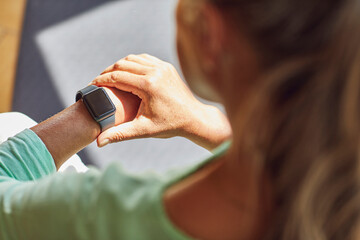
(211, 36)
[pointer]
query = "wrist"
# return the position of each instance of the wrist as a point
(90, 129)
(209, 127)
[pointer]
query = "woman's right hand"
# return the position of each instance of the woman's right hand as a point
(168, 108)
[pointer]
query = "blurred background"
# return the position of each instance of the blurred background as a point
(50, 49)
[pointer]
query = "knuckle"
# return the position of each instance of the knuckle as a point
(152, 69)
(95, 81)
(114, 77)
(117, 65)
(159, 73)
(118, 137)
(129, 57)
(148, 84)
(165, 67)
(168, 66)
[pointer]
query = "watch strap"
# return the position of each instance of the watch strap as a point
(84, 91)
(107, 123)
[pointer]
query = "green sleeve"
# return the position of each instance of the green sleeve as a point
(93, 205)
(25, 157)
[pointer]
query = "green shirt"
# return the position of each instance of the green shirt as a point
(38, 203)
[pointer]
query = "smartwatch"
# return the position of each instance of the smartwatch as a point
(99, 105)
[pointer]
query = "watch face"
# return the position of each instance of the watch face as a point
(99, 103)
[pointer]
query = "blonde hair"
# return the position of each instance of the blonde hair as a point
(305, 119)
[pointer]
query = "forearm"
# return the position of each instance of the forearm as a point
(211, 129)
(73, 129)
(68, 132)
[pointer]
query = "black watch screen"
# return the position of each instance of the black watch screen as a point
(99, 103)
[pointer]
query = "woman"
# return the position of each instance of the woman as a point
(287, 73)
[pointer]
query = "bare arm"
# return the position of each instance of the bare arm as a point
(67, 132)
(71, 130)
(167, 109)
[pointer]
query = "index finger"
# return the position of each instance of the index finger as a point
(127, 66)
(121, 80)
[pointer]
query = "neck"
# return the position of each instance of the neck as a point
(242, 175)
(230, 189)
(242, 183)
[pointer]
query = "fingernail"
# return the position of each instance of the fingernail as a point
(104, 142)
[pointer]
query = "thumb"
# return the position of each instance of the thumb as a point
(126, 131)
